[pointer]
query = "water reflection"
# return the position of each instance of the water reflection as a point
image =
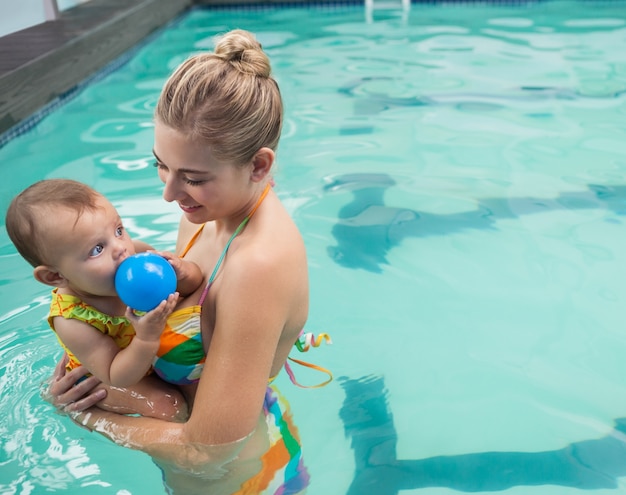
(368, 228)
(587, 465)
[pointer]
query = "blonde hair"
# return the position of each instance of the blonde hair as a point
(30, 217)
(226, 99)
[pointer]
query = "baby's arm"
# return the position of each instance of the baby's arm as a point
(188, 274)
(141, 246)
(101, 355)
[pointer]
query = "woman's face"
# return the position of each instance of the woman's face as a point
(204, 187)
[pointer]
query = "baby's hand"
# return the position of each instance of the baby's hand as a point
(188, 275)
(150, 325)
(180, 266)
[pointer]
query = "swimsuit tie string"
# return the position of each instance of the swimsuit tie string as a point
(303, 344)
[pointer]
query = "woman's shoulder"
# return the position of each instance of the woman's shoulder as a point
(269, 251)
(277, 239)
(273, 258)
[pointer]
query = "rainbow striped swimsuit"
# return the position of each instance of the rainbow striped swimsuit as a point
(181, 355)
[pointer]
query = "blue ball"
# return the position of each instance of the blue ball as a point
(144, 280)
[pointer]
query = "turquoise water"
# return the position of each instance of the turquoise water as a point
(459, 176)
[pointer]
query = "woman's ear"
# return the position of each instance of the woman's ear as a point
(262, 164)
(49, 276)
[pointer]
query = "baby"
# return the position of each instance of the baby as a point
(75, 240)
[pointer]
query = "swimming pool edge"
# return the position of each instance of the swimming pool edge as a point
(65, 52)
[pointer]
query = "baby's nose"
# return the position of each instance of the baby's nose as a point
(121, 252)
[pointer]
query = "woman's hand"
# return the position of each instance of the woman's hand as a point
(74, 391)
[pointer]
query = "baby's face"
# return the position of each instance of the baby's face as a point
(89, 249)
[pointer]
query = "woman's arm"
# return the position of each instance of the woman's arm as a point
(157, 438)
(253, 300)
(251, 312)
(231, 391)
(141, 246)
(73, 393)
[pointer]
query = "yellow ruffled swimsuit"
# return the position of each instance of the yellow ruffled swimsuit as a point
(71, 307)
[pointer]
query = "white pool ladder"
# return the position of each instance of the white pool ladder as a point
(372, 5)
(51, 9)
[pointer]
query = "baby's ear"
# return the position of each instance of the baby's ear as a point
(49, 276)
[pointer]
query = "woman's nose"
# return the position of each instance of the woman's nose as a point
(170, 190)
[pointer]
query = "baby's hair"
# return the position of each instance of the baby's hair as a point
(31, 212)
(226, 99)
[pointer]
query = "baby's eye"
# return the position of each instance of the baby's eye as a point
(119, 232)
(97, 250)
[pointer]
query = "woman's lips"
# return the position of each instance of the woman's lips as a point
(188, 209)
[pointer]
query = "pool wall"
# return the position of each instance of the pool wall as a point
(40, 64)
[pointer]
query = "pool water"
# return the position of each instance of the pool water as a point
(459, 177)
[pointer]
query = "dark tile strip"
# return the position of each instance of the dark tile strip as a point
(40, 63)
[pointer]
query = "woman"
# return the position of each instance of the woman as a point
(217, 127)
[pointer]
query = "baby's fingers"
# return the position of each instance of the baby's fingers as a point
(164, 308)
(167, 255)
(170, 303)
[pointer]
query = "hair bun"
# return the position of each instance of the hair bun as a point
(242, 50)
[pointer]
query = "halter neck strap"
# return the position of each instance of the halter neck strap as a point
(232, 237)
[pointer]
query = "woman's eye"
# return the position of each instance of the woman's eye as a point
(96, 250)
(194, 182)
(162, 168)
